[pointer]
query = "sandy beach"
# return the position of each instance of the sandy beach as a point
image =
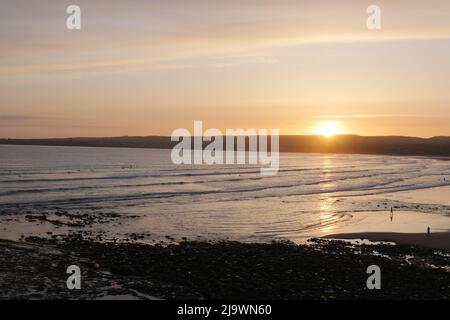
(141, 228)
(405, 227)
(439, 240)
(225, 150)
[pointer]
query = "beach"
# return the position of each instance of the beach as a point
(436, 240)
(142, 228)
(117, 192)
(410, 228)
(321, 270)
(225, 150)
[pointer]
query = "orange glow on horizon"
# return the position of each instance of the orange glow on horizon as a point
(329, 129)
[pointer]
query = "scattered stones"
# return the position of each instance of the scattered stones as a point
(324, 269)
(30, 271)
(77, 220)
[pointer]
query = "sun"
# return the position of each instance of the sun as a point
(328, 129)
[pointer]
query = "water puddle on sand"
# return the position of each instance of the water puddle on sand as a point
(402, 222)
(380, 221)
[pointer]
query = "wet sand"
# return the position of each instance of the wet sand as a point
(437, 196)
(435, 240)
(401, 222)
(404, 227)
(126, 268)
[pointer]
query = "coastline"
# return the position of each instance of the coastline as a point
(129, 249)
(132, 268)
(440, 240)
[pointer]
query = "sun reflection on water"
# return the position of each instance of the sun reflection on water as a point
(326, 204)
(326, 212)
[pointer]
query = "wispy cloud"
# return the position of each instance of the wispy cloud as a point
(371, 116)
(156, 34)
(19, 118)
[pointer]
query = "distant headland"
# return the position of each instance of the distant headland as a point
(344, 144)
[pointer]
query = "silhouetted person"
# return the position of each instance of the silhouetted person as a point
(428, 231)
(392, 214)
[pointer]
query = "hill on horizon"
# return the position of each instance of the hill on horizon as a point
(347, 144)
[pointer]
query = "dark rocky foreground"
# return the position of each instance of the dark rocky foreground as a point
(36, 269)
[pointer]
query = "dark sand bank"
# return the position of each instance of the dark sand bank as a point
(439, 240)
(324, 269)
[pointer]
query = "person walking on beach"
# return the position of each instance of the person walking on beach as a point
(392, 214)
(428, 231)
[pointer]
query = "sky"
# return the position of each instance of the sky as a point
(146, 67)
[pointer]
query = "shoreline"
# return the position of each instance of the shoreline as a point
(19, 222)
(439, 240)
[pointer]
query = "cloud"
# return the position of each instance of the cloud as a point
(118, 37)
(18, 118)
(371, 116)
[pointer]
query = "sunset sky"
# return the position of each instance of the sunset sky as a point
(147, 67)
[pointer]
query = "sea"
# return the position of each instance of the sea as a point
(312, 194)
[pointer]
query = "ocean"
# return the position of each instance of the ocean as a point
(312, 194)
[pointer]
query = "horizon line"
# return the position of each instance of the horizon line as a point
(281, 135)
